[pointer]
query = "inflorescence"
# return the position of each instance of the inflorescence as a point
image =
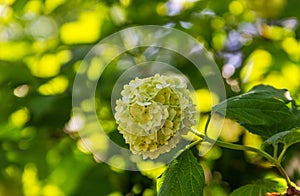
(153, 113)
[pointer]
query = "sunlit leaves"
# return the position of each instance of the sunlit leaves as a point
(49, 64)
(236, 7)
(259, 61)
(204, 99)
(86, 30)
(218, 40)
(288, 77)
(183, 176)
(146, 168)
(95, 69)
(292, 47)
(50, 5)
(30, 180)
(266, 8)
(275, 33)
(55, 86)
(20, 49)
(118, 15)
(20, 117)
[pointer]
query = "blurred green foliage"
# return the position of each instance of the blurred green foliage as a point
(42, 43)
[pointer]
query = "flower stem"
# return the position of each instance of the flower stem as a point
(193, 144)
(282, 153)
(207, 123)
(275, 154)
(232, 146)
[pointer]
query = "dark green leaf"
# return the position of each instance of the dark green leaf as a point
(287, 138)
(269, 131)
(262, 110)
(260, 187)
(184, 176)
(265, 91)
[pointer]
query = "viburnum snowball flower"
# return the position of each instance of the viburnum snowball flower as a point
(153, 113)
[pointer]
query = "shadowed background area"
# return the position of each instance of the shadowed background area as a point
(43, 43)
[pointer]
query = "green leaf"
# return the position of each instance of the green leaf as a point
(269, 131)
(287, 138)
(260, 187)
(265, 91)
(184, 176)
(262, 110)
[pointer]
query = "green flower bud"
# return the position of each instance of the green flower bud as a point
(153, 114)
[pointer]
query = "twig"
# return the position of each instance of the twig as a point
(232, 146)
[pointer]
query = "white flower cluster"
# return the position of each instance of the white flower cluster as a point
(153, 113)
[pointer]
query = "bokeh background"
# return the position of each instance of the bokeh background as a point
(42, 44)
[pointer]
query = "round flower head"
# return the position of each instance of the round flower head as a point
(153, 114)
